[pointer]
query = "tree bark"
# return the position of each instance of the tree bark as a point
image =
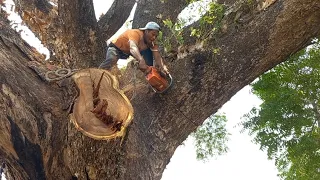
(40, 142)
(115, 17)
(70, 31)
(33, 121)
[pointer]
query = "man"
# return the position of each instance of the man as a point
(140, 43)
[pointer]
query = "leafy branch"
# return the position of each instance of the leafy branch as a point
(176, 34)
(211, 138)
(210, 22)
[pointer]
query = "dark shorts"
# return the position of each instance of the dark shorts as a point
(114, 54)
(148, 57)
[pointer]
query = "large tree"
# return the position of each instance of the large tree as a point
(38, 141)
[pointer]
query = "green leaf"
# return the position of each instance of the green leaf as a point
(286, 125)
(211, 138)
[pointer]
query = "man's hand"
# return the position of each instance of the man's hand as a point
(144, 67)
(154, 47)
(162, 69)
(134, 50)
(158, 60)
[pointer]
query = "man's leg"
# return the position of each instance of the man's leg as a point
(111, 59)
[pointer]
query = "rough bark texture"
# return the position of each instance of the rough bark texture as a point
(33, 119)
(115, 17)
(68, 30)
(39, 142)
(157, 11)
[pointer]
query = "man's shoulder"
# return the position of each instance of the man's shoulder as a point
(133, 32)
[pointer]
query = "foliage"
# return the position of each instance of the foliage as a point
(287, 124)
(210, 14)
(176, 33)
(210, 22)
(211, 138)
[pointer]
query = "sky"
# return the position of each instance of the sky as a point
(244, 160)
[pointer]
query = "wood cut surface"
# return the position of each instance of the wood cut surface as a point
(101, 111)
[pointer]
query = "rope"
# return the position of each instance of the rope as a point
(59, 74)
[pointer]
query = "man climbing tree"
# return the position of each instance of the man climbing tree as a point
(141, 44)
(232, 44)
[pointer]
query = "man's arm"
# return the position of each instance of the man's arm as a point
(134, 50)
(158, 59)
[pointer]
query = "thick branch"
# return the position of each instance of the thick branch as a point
(29, 108)
(37, 15)
(28, 5)
(158, 11)
(115, 17)
(79, 36)
(70, 33)
(205, 80)
(80, 15)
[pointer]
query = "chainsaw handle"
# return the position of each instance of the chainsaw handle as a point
(169, 86)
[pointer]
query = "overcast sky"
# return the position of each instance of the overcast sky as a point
(244, 161)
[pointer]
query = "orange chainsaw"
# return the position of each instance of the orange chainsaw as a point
(159, 82)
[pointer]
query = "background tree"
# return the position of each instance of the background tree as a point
(39, 142)
(287, 124)
(211, 138)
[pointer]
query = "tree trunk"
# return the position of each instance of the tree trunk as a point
(38, 140)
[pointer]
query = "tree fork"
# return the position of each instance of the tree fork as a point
(204, 81)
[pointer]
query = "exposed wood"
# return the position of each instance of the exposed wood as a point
(101, 111)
